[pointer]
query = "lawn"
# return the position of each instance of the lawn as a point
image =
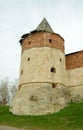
(70, 118)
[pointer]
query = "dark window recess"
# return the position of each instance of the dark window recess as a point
(21, 71)
(19, 87)
(28, 59)
(29, 42)
(54, 85)
(60, 59)
(50, 40)
(53, 70)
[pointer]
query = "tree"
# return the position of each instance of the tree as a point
(13, 88)
(4, 91)
(7, 91)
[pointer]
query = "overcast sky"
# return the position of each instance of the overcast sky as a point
(22, 16)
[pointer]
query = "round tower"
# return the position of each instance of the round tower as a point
(41, 72)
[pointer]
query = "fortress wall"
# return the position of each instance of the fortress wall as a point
(76, 93)
(74, 60)
(75, 84)
(75, 77)
(43, 39)
(42, 64)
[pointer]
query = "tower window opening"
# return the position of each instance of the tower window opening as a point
(50, 40)
(21, 72)
(19, 87)
(53, 70)
(54, 85)
(29, 42)
(60, 59)
(28, 59)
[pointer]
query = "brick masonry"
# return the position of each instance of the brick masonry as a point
(43, 39)
(74, 60)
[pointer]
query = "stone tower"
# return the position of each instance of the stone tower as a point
(41, 84)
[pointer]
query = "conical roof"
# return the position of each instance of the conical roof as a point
(44, 26)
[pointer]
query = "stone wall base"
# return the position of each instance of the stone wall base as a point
(44, 98)
(39, 99)
(76, 93)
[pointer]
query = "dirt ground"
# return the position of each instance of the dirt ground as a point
(9, 128)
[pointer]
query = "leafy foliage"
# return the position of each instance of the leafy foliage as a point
(7, 91)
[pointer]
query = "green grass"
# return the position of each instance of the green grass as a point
(70, 118)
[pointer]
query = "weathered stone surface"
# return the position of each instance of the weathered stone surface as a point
(39, 98)
(76, 93)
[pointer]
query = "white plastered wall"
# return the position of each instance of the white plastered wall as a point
(36, 64)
